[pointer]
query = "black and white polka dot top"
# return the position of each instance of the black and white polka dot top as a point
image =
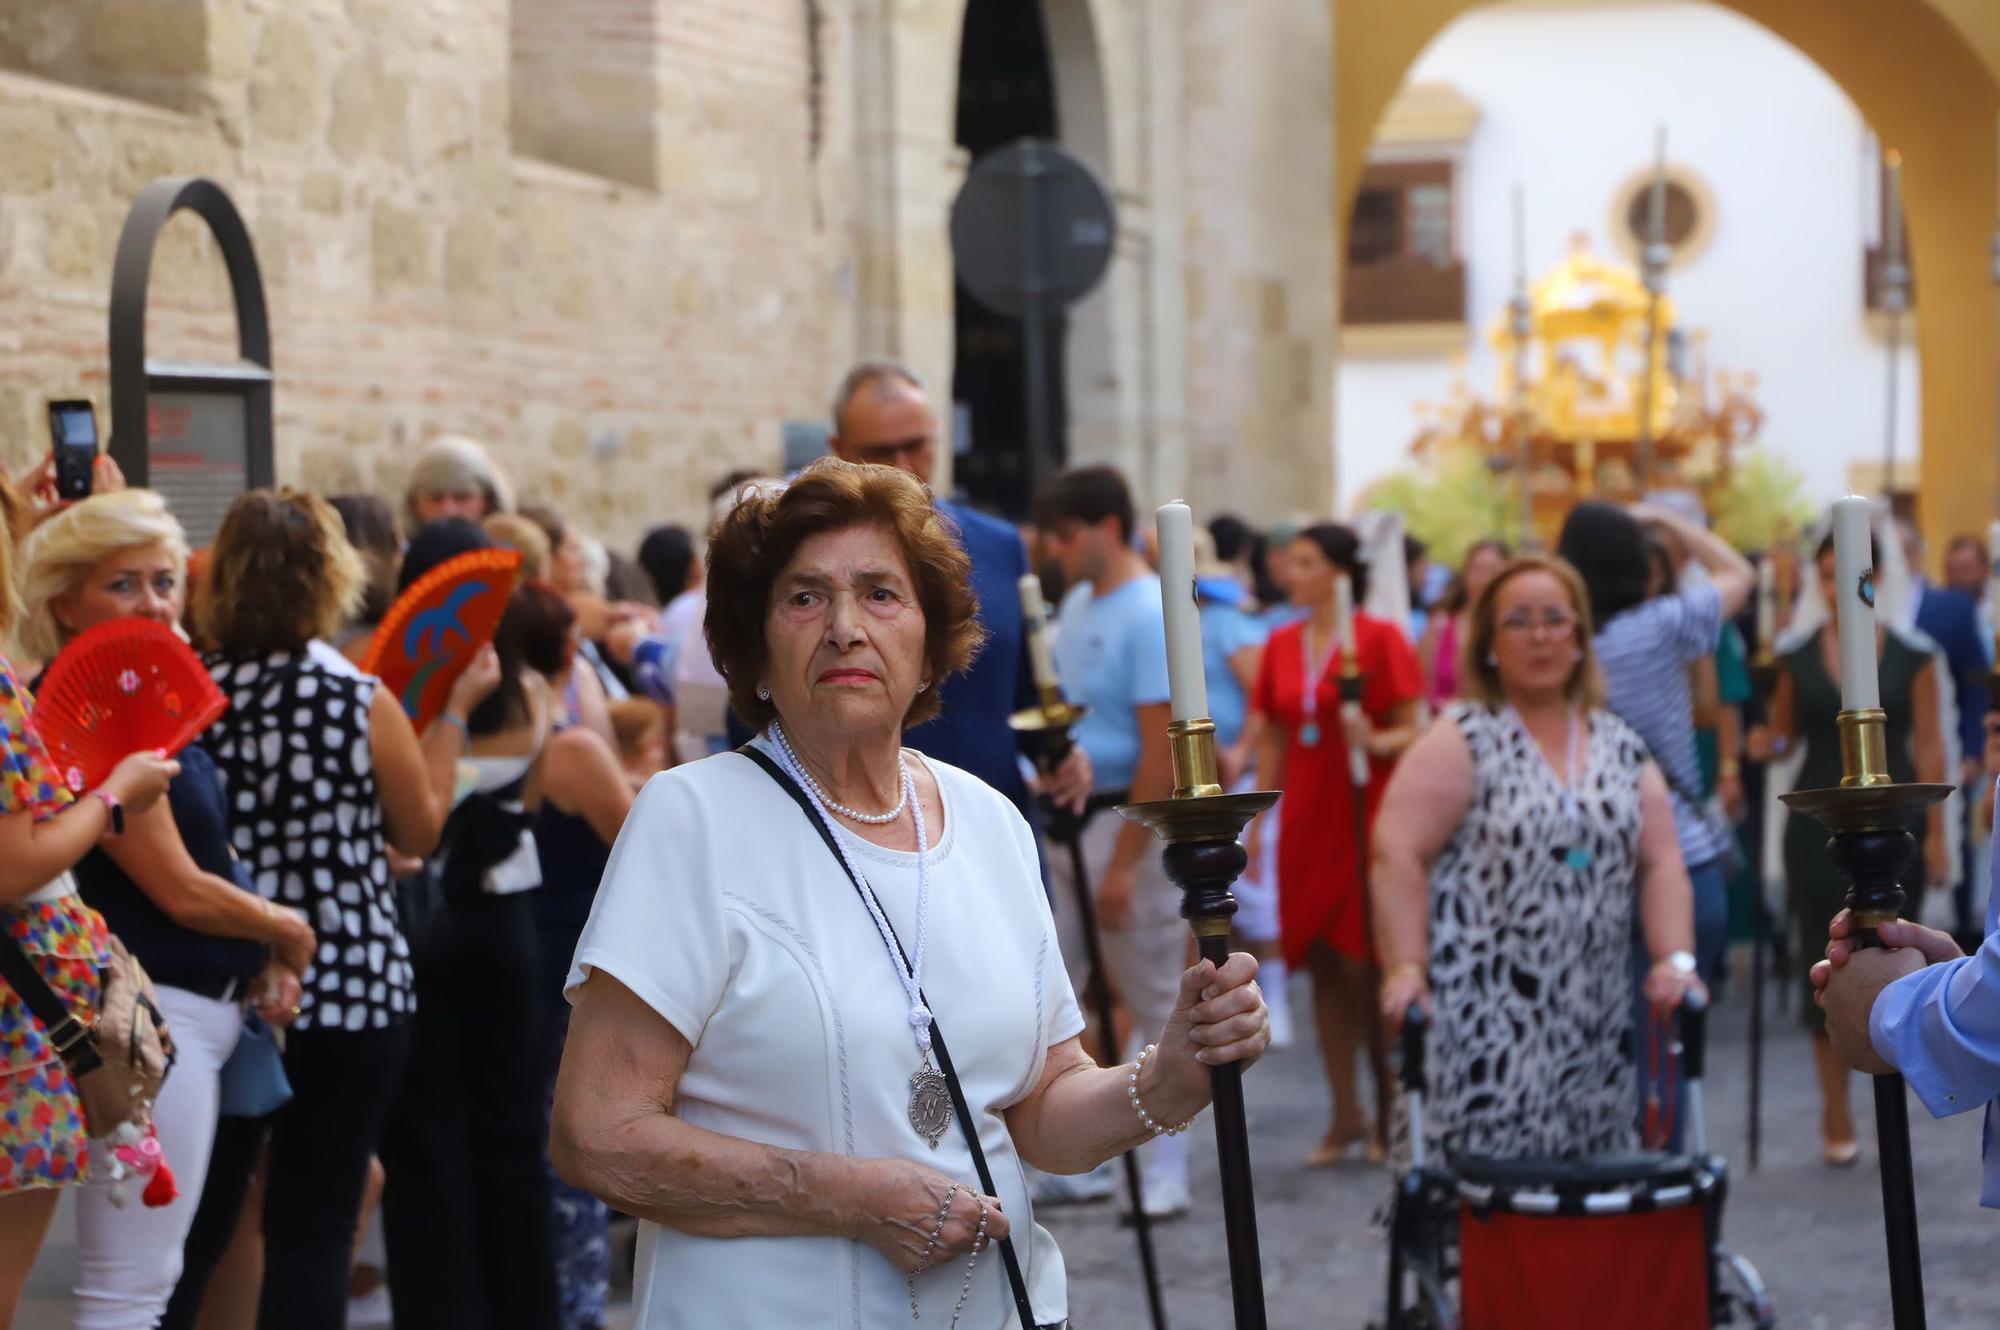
(305, 816)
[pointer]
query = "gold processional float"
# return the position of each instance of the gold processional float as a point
(1579, 409)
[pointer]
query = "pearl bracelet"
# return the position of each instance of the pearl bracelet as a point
(1132, 1092)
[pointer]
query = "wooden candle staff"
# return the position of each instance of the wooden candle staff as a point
(1202, 826)
(1870, 816)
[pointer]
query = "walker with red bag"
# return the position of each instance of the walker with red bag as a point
(1630, 1240)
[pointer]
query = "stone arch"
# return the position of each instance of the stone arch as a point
(1926, 75)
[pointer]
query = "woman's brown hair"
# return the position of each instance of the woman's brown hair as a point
(1480, 676)
(280, 573)
(751, 545)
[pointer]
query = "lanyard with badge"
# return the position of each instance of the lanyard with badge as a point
(1309, 733)
(1576, 855)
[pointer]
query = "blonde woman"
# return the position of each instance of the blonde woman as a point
(1514, 843)
(169, 888)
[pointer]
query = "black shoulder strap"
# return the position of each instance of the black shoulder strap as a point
(70, 1035)
(965, 1121)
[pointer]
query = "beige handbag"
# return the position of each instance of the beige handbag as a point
(121, 1057)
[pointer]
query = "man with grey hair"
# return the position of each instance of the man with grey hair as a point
(881, 415)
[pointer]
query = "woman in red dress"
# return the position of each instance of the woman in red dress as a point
(1303, 749)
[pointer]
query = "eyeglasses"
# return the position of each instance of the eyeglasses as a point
(1554, 623)
(888, 454)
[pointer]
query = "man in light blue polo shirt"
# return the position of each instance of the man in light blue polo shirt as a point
(1111, 656)
(1924, 1009)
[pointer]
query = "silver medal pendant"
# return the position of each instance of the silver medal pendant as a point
(930, 1103)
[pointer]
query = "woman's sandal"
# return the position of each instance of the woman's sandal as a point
(1840, 1154)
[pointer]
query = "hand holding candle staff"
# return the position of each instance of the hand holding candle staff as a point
(1068, 785)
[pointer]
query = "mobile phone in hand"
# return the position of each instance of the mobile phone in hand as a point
(73, 435)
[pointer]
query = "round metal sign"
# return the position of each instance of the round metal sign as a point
(1032, 224)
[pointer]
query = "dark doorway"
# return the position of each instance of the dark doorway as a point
(1006, 91)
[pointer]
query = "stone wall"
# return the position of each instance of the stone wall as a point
(626, 240)
(1260, 269)
(622, 341)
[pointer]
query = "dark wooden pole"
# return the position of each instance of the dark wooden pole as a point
(1047, 728)
(1204, 872)
(1203, 829)
(1871, 847)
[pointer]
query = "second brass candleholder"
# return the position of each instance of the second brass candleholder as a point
(1870, 816)
(1202, 827)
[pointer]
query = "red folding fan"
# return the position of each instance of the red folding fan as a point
(119, 688)
(438, 625)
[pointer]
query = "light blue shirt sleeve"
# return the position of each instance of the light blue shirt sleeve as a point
(1941, 1028)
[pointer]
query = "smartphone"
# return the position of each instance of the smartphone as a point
(73, 432)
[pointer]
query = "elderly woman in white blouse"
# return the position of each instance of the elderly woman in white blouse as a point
(757, 1065)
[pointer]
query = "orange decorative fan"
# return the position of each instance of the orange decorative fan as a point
(438, 625)
(124, 686)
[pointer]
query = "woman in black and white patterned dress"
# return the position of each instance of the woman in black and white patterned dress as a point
(322, 769)
(1515, 843)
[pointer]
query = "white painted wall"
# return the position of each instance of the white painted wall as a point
(1569, 97)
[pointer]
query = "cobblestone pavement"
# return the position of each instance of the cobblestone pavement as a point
(1815, 1233)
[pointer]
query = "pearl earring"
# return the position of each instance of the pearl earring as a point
(763, 694)
(1492, 661)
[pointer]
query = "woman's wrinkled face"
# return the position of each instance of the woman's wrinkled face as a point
(141, 581)
(430, 505)
(1309, 573)
(844, 635)
(1534, 633)
(1480, 567)
(567, 568)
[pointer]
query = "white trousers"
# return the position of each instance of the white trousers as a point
(128, 1260)
(1256, 891)
(1144, 961)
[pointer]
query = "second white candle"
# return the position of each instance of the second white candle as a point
(1854, 592)
(1186, 682)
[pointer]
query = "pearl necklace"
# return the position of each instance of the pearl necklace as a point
(826, 800)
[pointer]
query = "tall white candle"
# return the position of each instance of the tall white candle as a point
(1767, 602)
(1854, 586)
(1035, 622)
(1343, 617)
(1188, 685)
(1892, 210)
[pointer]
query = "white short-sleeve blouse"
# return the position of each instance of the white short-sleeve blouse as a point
(725, 913)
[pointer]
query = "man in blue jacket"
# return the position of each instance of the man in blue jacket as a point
(882, 415)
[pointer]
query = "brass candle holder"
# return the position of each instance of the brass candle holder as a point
(1869, 815)
(1049, 720)
(1202, 827)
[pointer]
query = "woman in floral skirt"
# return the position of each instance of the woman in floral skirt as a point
(45, 827)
